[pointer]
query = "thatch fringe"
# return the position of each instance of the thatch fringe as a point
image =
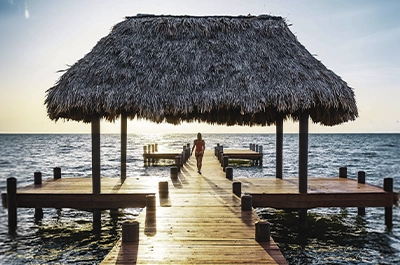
(219, 70)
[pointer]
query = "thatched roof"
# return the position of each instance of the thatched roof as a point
(216, 69)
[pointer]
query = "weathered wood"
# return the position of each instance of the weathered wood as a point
(388, 187)
(361, 180)
(303, 152)
(80, 201)
(203, 224)
(242, 154)
(124, 130)
(279, 146)
(37, 176)
(12, 204)
(57, 173)
(95, 125)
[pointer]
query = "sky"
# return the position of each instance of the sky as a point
(356, 39)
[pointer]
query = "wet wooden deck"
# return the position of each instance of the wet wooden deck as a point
(200, 222)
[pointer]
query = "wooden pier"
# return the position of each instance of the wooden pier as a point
(202, 219)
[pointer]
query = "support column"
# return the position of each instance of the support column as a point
(96, 186)
(12, 204)
(303, 152)
(123, 145)
(388, 187)
(279, 145)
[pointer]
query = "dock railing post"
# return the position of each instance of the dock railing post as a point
(262, 233)
(56, 173)
(229, 173)
(260, 150)
(225, 162)
(388, 186)
(247, 202)
(163, 189)
(12, 204)
(174, 172)
(130, 232)
(361, 180)
(178, 163)
(38, 181)
(237, 188)
(343, 172)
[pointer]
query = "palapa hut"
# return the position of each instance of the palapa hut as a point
(244, 70)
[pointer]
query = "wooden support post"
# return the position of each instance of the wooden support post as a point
(343, 172)
(130, 232)
(262, 233)
(225, 162)
(303, 152)
(303, 217)
(260, 150)
(163, 188)
(237, 188)
(151, 202)
(388, 186)
(145, 160)
(114, 213)
(38, 181)
(229, 173)
(247, 202)
(56, 173)
(156, 146)
(96, 220)
(361, 180)
(38, 214)
(178, 163)
(12, 204)
(37, 178)
(124, 129)
(182, 156)
(279, 146)
(174, 172)
(96, 182)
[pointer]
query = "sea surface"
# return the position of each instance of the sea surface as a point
(333, 235)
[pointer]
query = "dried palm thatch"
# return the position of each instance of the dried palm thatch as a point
(218, 69)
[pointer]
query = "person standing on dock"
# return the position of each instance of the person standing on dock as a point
(200, 146)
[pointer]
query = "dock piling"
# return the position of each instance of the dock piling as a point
(174, 172)
(237, 188)
(130, 232)
(229, 173)
(12, 204)
(343, 172)
(163, 188)
(262, 231)
(225, 162)
(178, 163)
(247, 202)
(38, 181)
(361, 180)
(37, 178)
(388, 186)
(56, 173)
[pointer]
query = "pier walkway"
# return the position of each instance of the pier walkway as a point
(200, 222)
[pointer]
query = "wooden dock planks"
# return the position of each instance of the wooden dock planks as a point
(202, 223)
(322, 192)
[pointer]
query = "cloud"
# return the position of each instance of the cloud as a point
(26, 11)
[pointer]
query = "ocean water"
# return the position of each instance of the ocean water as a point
(333, 235)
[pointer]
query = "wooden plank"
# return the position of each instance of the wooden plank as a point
(203, 224)
(81, 201)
